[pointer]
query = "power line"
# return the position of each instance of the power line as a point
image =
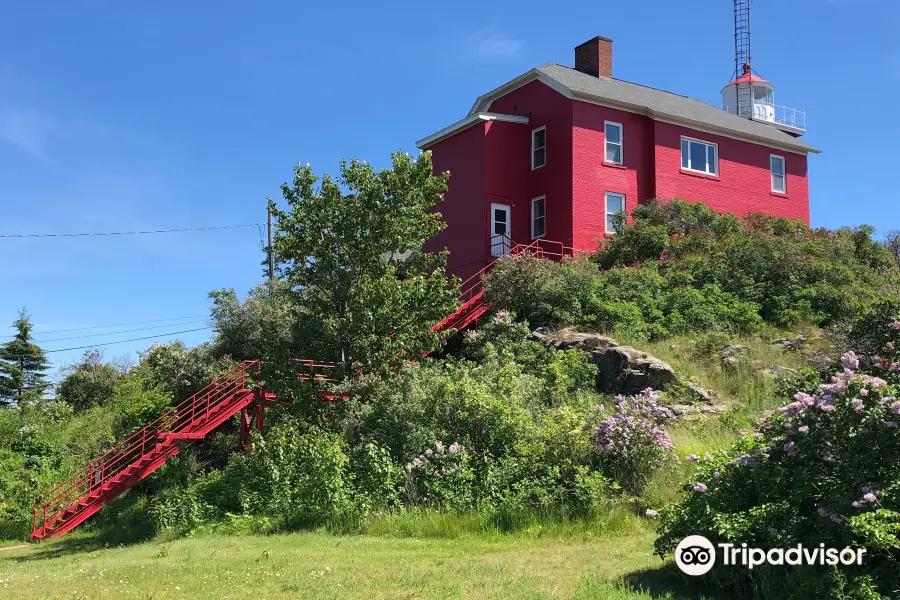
(78, 337)
(117, 325)
(108, 233)
(149, 337)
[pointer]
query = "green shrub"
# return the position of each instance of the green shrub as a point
(822, 470)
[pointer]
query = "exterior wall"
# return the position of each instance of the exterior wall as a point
(593, 176)
(507, 167)
(544, 107)
(744, 182)
(463, 155)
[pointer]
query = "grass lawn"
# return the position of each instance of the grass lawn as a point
(321, 565)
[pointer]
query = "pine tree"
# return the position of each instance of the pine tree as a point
(22, 365)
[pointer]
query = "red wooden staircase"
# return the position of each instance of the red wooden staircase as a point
(105, 478)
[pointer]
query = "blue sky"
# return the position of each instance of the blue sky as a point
(188, 114)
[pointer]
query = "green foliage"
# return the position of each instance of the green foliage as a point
(22, 365)
(822, 470)
(181, 371)
(681, 268)
(349, 251)
(89, 383)
(302, 477)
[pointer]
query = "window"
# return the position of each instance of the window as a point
(615, 204)
(538, 148)
(702, 157)
(778, 181)
(538, 218)
(613, 134)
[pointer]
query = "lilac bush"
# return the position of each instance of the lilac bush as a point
(631, 440)
(441, 477)
(823, 468)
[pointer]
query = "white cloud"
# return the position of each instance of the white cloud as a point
(491, 44)
(26, 128)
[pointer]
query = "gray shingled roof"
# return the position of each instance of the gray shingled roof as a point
(667, 104)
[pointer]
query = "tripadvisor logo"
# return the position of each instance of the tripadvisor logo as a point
(696, 555)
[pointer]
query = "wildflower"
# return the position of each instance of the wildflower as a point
(890, 348)
(858, 504)
(891, 424)
(850, 361)
(692, 458)
(878, 383)
(708, 456)
(439, 446)
(700, 487)
(858, 405)
(429, 452)
(803, 429)
(652, 513)
(716, 475)
(864, 393)
(454, 448)
(767, 413)
(895, 406)
(895, 325)
(870, 497)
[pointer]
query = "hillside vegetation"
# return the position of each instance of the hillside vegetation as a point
(504, 436)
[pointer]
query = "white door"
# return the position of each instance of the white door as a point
(501, 228)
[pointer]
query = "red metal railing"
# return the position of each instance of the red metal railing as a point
(221, 399)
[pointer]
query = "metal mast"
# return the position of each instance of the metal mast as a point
(742, 58)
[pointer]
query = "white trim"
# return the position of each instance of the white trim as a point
(484, 102)
(533, 202)
(620, 143)
(783, 174)
(508, 209)
(705, 143)
(533, 148)
(606, 212)
(465, 124)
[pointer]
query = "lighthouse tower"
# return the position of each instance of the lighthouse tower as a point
(749, 95)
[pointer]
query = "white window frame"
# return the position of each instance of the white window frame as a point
(533, 148)
(620, 143)
(783, 174)
(690, 166)
(534, 201)
(504, 246)
(606, 213)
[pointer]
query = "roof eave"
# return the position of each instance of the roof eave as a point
(463, 124)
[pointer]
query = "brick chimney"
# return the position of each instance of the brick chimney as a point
(594, 57)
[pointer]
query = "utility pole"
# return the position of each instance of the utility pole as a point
(271, 257)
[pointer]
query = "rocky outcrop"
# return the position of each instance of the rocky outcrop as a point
(689, 412)
(621, 369)
(733, 358)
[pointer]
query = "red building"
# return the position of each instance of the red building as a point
(557, 152)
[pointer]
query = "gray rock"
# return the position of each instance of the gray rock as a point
(565, 339)
(701, 394)
(778, 372)
(791, 343)
(690, 412)
(625, 370)
(733, 358)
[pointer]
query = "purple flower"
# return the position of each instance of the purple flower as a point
(439, 446)
(870, 497)
(803, 429)
(891, 424)
(895, 325)
(692, 458)
(878, 383)
(895, 406)
(700, 487)
(864, 393)
(890, 348)
(716, 475)
(790, 449)
(858, 404)
(858, 504)
(850, 361)
(652, 513)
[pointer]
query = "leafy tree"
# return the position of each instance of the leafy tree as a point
(350, 252)
(22, 365)
(892, 243)
(89, 383)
